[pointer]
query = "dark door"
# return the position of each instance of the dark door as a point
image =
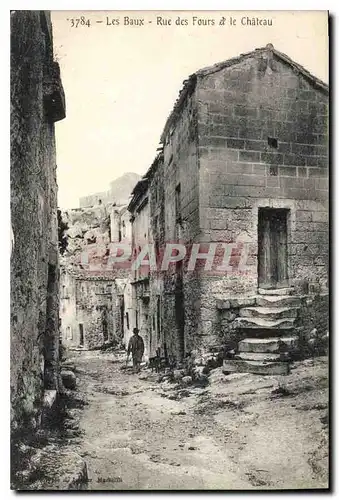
(81, 331)
(104, 324)
(272, 248)
(122, 316)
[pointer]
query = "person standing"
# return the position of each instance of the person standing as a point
(136, 347)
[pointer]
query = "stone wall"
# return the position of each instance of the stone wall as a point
(156, 192)
(314, 325)
(120, 225)
(181, 221)
(118, 192)
(226, 335)
(86, 268)
(242, 109)
(124, 292)
(242, 136)
(37, 101)
(87, 229)
(97, 309)
(95, 303)
(140, 232)
(173, 199)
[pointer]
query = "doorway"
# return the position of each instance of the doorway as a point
(272, 248)
(104, 324)
(180, 311)
(81, 331)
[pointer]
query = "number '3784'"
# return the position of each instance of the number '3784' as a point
(80, 21)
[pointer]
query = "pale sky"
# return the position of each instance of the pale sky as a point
(121, 81)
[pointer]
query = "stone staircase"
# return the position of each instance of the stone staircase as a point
(270, 330)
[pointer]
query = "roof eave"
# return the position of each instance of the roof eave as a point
(189, 85)
(192, 79)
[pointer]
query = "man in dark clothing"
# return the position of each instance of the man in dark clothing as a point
(136, 347)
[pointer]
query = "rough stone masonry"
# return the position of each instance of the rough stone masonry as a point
(37, 101)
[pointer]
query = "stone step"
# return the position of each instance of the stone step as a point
(257, 367)
(263, 356)
(271, 313)
(272, 344)
(275, 291)
(264, 324)
(279, 301)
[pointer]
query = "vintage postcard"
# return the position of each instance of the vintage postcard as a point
(169, 250)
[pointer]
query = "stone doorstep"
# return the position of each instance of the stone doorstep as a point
(275, 291)
(262, 324)
(271, 345)
(256, 367)
(269, 312)
(279, 300)
(263, 356)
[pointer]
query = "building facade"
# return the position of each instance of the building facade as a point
(37, 102)
(94, 296)
(244, 170)
(140, 275)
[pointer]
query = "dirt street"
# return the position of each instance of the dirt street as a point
(240, 432)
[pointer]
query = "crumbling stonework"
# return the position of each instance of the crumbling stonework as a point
(89, 310)
(139, 208)
(118, 192)
(314, 325)
(98, 312)
(37, 101)
(94, 297)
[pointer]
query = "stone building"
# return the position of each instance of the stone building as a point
(244, 166)
(139, 208)
(94, 296)
(37, 102)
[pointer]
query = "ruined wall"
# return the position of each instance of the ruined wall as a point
(140, 235)
(157, 238)
(87, 228)
(93, 199)
(121, 228)
(96, 300)
(125, 226)
(226, 334)
(119, 191)
(98, 311)
(313, 324)
(240, 108)
(37, 101)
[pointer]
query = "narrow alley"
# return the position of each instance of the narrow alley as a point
(138, 433)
